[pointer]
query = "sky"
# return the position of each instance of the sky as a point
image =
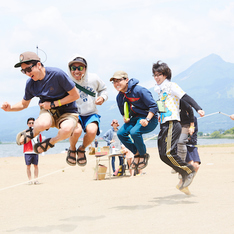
(112, 35)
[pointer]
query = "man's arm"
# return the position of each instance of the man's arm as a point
(23, 104)
(193, 103)
(72, 96)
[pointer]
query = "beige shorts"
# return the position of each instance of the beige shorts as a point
(56, 121)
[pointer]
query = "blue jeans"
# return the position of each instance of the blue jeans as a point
(135, 130)
(113, 162)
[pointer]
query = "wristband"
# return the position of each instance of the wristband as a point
(191, 127)
(59, 102)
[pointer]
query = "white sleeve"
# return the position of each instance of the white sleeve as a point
(176, 90)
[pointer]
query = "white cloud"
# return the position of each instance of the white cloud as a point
(122, 35)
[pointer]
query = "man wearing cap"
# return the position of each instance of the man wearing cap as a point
(57, 94)
(93, 92)
(142, 118)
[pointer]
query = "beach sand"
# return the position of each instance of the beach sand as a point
(69, 200)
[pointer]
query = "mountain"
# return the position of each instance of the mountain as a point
(209, 81)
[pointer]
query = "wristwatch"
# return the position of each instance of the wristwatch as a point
(52, 104)
(148, 119)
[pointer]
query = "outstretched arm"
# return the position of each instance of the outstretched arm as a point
(17, 107)
(193, 103)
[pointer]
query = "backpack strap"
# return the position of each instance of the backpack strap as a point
(85, 90)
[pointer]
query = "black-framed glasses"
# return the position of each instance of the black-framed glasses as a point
(157, 75)
(27, 69)
(30, 122)
(80, 68)
(117, 80)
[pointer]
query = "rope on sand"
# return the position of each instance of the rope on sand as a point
(12, 186)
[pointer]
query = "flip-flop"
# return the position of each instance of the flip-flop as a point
(144, 162)
(71, 157)
(40, 144)
(24, 133)
(134, 165)
(81, 159)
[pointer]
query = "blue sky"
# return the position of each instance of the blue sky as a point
(113, 35)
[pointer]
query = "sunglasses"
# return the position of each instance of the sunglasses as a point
(30, 122)
(27, 69)
(80, 68)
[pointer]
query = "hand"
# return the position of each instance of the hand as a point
(191, 130)
(99, 100)
(6, 106)
(201, 113)
(144, 122)
(45, 105)
(126, 120)
(232, 116)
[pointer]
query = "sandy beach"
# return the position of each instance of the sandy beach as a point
(69, 199)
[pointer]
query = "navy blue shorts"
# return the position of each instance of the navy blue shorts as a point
(85, 120)
(192, 154)
(31, 159)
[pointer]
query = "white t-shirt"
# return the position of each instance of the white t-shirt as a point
(170, 93)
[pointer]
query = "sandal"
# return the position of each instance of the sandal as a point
(144, 162)
(134, 165)
(81, 159)
(40, 144)
(24, 133)
(71, 157)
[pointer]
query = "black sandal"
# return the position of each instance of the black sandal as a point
(81, 159)
(47, 141)
(24, 133)
(71, 157)
(144, 162)
(134, 165)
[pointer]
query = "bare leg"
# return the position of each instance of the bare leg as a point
(73, 140)
(35, 171)
(29, 172)
(43, 122)
(91, 132)
(66, 129)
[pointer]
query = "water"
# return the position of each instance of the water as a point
(14, 150)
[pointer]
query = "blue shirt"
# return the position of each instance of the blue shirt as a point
(55, 85)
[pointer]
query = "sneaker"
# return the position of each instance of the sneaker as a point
(184, 190)
(187, 180)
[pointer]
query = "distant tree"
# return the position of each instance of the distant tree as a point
(215, 134)
(200, 133)
(229, 131)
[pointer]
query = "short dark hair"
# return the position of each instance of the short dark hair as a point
(31, 118)
(162, 68)
(34, 62)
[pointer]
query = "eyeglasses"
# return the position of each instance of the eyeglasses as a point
(157, 75)
(117, 80)
(27, 69)
(80, 68)
(30, 122)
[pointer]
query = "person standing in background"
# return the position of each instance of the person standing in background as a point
(113, 141)
(30, 156)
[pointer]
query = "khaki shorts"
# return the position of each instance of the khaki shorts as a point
(56, 121)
